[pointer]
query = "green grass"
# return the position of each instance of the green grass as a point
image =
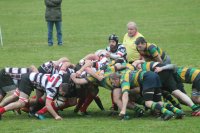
(173, 25)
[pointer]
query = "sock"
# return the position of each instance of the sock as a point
(195, 107)
(169, 97)
(2, 110)
(136, 109)
(157, 106)
(140, 101)
(87, 102)
(42, 111)
(98, 102)
(171, 108)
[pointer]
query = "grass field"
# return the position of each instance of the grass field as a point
(173, 25)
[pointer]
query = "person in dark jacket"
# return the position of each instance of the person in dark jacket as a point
(53, 16)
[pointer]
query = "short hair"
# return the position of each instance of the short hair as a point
(132, 24)
(66, 87)
(140, 40)
(115, 76)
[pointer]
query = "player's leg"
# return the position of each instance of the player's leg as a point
(117, 93)
(23, 99)
(185, 98)
(12, 98)
(155, 106)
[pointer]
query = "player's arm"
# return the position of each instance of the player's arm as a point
(88, 63)
(65, 66)
(76, 80)
(94, 74)
(165, 67)
(119, 66)
(114, 56)
(51, 110)
(158, 59)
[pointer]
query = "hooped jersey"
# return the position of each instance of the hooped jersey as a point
(131, 79)
(151, 52)
(149, 66)
(106, 83)
(47, 67)
(16, 73)
(50, 68)
(101, 63)
(121, 51)
(49, 83)
(187, 75)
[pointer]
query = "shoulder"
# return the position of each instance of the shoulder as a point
(120, 45)
(151, 46)
(138, 34)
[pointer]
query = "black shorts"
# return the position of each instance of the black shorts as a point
(5, 89)
(152, 94)
(6, 83)
(167, 80)
(25, 85)
(150, 80)
(180, 86)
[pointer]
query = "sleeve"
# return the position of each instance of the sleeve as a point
(121, 51)
(153, 51)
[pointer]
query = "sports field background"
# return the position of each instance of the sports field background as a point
(173, 25)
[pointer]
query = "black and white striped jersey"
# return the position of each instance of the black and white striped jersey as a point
(50, 68)
(47, 67)
(121, 51)
(16, 73)
(48, 82)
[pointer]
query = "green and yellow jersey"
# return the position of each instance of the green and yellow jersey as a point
(148, 66)
(106, 83)
(131, 79)
(187, 75)
(151, 52)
